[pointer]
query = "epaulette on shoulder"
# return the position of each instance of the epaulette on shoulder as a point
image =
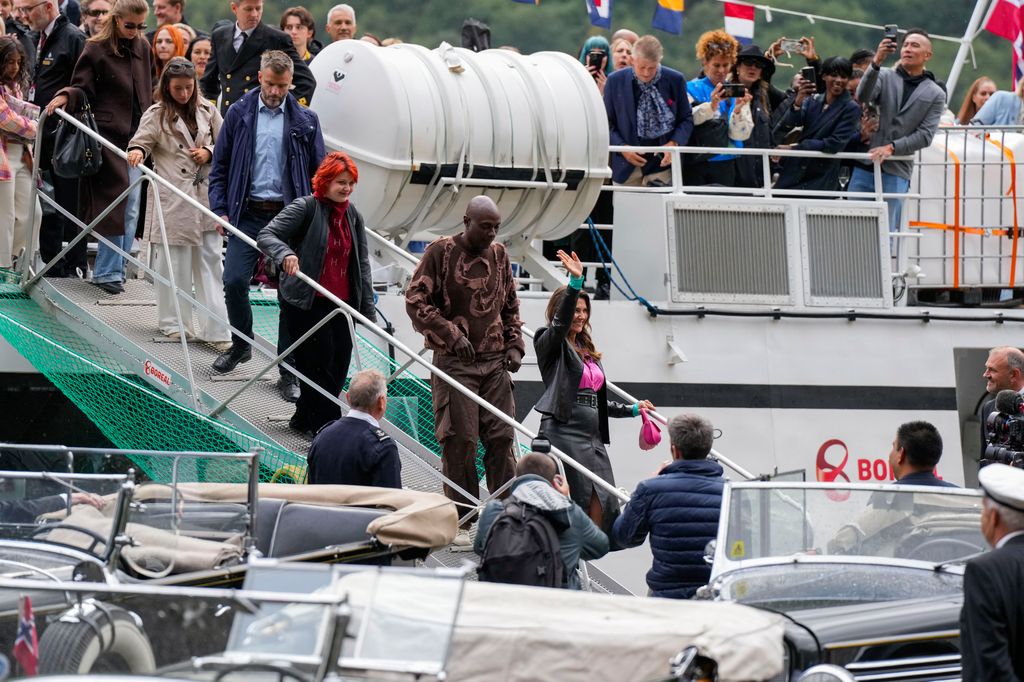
(381, 436)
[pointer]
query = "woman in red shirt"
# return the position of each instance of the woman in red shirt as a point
(323, 237)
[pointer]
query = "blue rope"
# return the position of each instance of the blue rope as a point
(604, 254)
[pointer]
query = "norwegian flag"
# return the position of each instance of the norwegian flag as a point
(600, 12)
(26, 645)
(1006, 22)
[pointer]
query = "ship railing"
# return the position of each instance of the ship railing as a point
(159, 185)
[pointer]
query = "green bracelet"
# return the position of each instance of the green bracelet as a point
(636, 409)
(576, 281)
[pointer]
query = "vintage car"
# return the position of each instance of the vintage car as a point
(311, 622)
(870, 577)
(105, 528)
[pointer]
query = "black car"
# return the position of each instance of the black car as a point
(870, 577)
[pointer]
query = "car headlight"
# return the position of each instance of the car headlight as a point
(826, 673)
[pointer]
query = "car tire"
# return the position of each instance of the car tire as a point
(109, 639)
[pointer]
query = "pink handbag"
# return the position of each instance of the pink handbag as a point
(650, 432)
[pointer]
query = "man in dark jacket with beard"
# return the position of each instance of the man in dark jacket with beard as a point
(266, 153)
(679, 508)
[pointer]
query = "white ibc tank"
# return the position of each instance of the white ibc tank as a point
(972, 172)
(416, 119)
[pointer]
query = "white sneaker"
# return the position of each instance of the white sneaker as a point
(463, 542)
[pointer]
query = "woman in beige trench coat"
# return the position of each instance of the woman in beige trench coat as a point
(178, 133)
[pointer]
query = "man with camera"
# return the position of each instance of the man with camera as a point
(1004, 371)
(647, 106)
(992, 618)
(909, 104)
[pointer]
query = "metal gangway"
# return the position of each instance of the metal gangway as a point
(147, 393)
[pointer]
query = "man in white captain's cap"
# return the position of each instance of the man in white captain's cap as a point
(992, 619)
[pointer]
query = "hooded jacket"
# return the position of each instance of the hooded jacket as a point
(578, 536)
(679, 508)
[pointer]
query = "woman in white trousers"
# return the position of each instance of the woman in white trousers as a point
(20, 213)
(178, 133)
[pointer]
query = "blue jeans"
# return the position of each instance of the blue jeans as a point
(864, 181)
(239, 264)
(109, 265)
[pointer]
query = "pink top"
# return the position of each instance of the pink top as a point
(593, 377)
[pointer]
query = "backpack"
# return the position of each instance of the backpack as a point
(522, 548)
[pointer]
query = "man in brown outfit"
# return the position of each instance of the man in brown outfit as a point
(463, 300)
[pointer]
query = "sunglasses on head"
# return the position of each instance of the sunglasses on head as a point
(181, 68)
(96, 12)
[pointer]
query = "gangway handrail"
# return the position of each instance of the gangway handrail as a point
(618, 390)
(349, 311)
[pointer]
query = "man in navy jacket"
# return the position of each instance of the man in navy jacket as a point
(265, 157)
(647, 106)
(679, 508)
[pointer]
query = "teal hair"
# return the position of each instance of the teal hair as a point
(597, 43)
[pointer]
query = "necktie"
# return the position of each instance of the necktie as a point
(42, 42)
(241, 41)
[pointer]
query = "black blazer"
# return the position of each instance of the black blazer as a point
(992, 619)
(53, 69)
(562, 368)
(234, 74)
(301, 230)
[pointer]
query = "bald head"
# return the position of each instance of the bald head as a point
(482, 221)
(624, 34)
(1004, 369)
(916, 51)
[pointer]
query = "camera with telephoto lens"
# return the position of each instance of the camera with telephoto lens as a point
(1004, 431)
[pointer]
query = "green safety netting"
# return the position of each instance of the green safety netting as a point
(135, 416)
(132, 415)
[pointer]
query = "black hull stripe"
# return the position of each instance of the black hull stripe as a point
(765, 396)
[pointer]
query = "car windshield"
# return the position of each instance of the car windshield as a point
(176, 521)
(907, 523)
(37, 505)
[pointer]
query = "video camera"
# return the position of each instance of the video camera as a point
(1004, 431)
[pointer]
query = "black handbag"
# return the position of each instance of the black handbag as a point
(75, 153)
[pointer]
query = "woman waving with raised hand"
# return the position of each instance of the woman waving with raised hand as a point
(575, 402)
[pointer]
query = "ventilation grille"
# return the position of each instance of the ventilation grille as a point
(843, 257)
(730, 253)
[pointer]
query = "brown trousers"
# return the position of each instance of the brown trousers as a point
(459, 423)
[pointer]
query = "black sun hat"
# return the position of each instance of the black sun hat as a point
(753, 53)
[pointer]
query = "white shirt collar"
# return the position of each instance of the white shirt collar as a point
(48, 31)
(1006, 538)
(248, 34)
(368, 418)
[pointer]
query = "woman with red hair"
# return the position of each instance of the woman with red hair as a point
(323, 237)
(168, 42)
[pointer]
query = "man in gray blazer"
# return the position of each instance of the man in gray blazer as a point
(909, 103)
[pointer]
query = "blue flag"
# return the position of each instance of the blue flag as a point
(600, 12)
(668, 16)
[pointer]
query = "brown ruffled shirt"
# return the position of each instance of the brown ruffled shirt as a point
(455, 293)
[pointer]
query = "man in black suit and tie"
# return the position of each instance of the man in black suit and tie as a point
(992, 619)
(235, 63)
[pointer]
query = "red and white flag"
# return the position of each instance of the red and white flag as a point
(26, 644)
(739, 21)
(1006, 21)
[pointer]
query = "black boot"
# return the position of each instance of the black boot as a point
(226, 362)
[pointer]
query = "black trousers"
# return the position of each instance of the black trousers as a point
(57, 229)
(323, 358)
